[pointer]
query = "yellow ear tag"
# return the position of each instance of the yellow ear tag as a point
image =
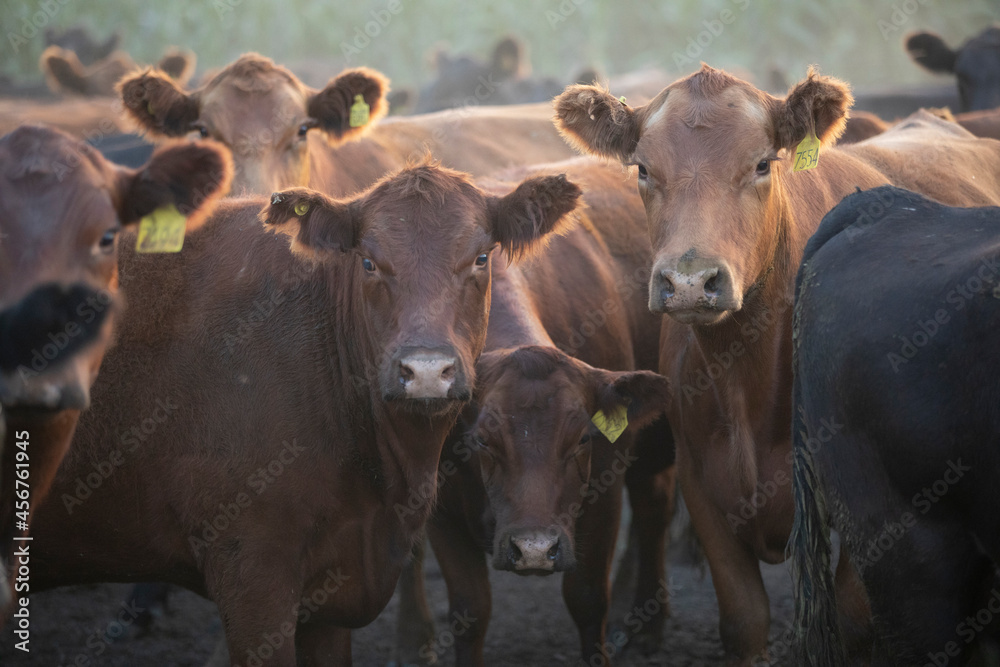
(161, 231)
(807, 153)
(360, 112)
(612, 425)
(302, 208)
(622, 99)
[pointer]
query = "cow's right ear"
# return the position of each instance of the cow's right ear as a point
(930, 51)
(521, 220)
(331, 107)
(63, 71)
(158, 107)
(178, 64)
(593, 120)
(818, 104)
(316, 223)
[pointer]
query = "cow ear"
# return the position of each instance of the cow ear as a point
(521, 220)
(157, 106)
(644, 394)
(316, 223)
(930, 51)
(331, 107)
(592, 120)
(818, 104)
(178, 64)
(508, 59)
(63, 71)
(189, 176)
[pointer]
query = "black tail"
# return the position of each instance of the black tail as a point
(819, 642)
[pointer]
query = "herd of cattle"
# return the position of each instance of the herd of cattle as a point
(450, 324)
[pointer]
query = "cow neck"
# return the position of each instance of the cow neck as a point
(513, 319)
(397, 450)
(752, 372)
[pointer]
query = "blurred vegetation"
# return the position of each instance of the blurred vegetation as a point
(854, 39)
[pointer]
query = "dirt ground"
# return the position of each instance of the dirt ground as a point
(530, 625)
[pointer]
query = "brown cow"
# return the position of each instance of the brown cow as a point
(527, 476)
(257, 424)
(283, 133)
(729, 219)
(863, 125)
(66, 74)
(62, 207)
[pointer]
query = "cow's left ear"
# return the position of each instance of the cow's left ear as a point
(644, 394)
(316, 223)
(539, 206)
(509, 59)
(818, 104)
(178, 64)
(929, 50)
(592, 120)
(331, 107)
(191, 176)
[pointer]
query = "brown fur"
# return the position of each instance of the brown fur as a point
(705, 203)
(316, 372)
(64, 72)
(984, 124)
(58, 199)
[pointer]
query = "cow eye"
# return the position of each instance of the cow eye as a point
(368, 265)
(107, 240)
(202, 131)
(303, 129)
(482, 259)
(643, 174)
(763, 168)
(585, 439)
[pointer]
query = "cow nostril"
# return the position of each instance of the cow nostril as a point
(712, 285)
(553, 552)
(405, 374)
(448, 373)
(667, 288)
(515, 553)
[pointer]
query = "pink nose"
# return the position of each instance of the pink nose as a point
(427, 375)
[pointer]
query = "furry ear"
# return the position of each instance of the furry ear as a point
(819, 103)
(645, 394)
(178, 64)
(331, 107)
(190, 176)
(521, 220)
(930, 52)
(316, 223)
(157, 106)
(64, 72)
(592, 120)
(509, 60)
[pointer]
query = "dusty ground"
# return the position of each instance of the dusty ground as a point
(530, 625)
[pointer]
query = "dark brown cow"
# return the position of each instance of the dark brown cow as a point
(729, 219)
(976, 65)
(257, 424)
(65, 73)
(82, 42)
(283, 133)
(527, 476)
(62, 207)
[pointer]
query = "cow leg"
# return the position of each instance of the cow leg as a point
(414, 625)
(853, 610)
(321, 644)
(463, 565)
(744, 610)
(587, 588)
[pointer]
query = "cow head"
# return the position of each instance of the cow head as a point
(711, 153)
(467, 81)
(62, 206)
(261, 111)
(976, 65)
(419, 248)
(532, 427)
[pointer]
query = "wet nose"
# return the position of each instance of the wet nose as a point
(707, 288)
(534, 551)
(427, 374)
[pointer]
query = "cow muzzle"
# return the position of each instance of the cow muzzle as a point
(47, 346)
(431, 376)
(693, 292)
(534, 551)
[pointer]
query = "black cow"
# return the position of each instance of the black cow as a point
(897, 425)
(976, 64)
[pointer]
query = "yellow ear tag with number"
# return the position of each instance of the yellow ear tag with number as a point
(807, 153)
(360, 112)
(613, 425)
(161, 231)
(301, 208)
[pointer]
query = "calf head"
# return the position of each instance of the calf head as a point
(711, 152)
(261, 111)
(419, 246)
(62, 206)
(976, 65)
(532, 427)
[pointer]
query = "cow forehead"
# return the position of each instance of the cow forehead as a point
(235, 110)
(421, 237)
